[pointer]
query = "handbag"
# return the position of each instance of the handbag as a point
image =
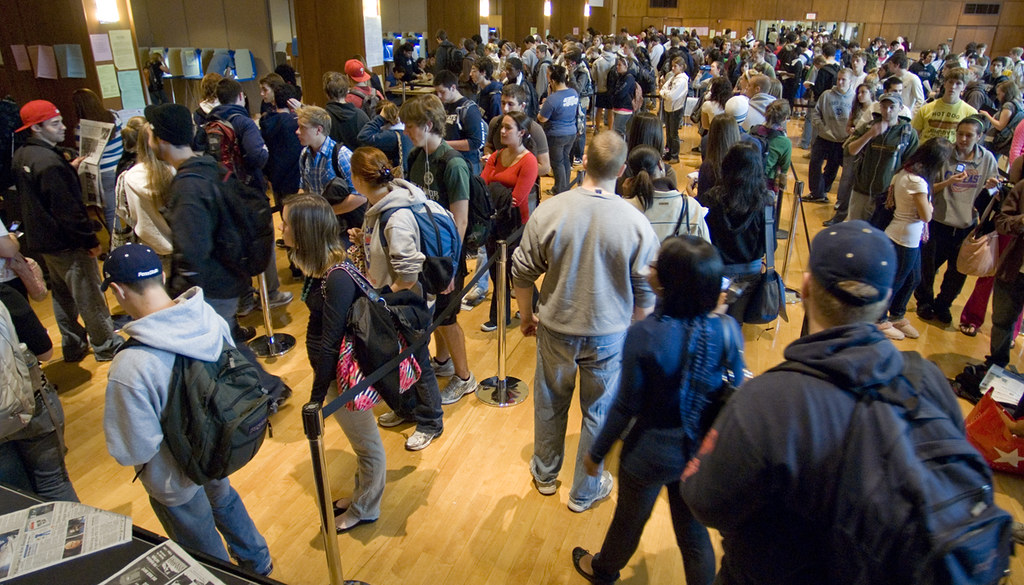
(767, 295)
(31, 275)
(979, 252)
(718, 399)
(377, 328)
(987, 431)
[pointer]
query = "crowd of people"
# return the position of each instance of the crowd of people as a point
(645, 275)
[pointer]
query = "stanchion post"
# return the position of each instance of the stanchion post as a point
(798, 191)
(270, 345)
(313, 425)
(501, 390)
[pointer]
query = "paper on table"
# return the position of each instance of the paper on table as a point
(131, 89)
(108, 81)
(190, 65)
(70, 61)
(21, 58)
(123, 48)
(101, 48)
(43, 61)
(244, 70)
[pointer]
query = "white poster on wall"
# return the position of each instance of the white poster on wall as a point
(596, 3)
(374, 41)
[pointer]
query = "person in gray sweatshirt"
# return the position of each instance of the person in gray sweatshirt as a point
(593, 249)
(830, 115)
(195, 516)
(964, 180)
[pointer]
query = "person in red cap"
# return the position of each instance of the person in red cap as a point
(58, 227)
(362, 87)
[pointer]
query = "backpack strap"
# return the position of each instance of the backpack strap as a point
(769, 236)
(684, 212)
(356, 276)
(384, 217)
(334, 160)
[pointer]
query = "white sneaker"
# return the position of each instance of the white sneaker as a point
(603, 492)
(890, 331)
(391, 419)
(420, 440)
(545, 488)
(445, 370)
(457, 388)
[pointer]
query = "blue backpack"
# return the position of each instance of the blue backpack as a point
(439, 242)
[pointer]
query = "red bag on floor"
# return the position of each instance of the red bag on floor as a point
(986, 430)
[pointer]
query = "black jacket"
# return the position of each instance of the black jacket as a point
(193, 213)
(346, 122)
(54, 215)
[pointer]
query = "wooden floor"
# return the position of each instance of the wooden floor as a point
(463, 511)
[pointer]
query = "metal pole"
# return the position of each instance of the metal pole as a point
(270, 345)
(313, 425)
(501, 390)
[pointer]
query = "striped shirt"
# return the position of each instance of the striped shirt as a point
(317, 170)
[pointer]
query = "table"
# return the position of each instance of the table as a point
(94, 568)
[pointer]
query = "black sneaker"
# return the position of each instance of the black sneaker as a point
(942, 315)
(814, 199)
(243, 334)
(835, 220)
(925, 312)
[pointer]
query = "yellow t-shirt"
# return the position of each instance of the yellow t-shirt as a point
(938, 118)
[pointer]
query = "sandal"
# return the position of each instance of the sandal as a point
(578, 553)
(968, 329)
(340, 505)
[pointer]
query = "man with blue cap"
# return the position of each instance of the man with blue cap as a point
(195, 516)
(809, 471)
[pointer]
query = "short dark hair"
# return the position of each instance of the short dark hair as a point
(515, 91)
(485, 67)
(899, 59)
(441, 34)
(228, 91)
(889, 82)
(515, 64)
(446, 79)
(282, 94)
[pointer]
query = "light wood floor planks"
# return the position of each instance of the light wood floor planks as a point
(463, 511)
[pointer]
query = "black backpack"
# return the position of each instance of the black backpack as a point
(244, 240)
(507, 218)
(647, 79)
(370, 102)
(536, 70)
(455, 57)
(913, 498)
(217, 414)
(481, 210)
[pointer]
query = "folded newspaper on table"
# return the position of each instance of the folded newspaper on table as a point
(166, 564)
(1007, 387)
(48, 534)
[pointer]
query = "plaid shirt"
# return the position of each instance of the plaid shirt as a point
(317, 169)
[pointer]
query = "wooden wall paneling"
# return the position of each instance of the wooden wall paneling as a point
(1006, 38)
(698, 10)
(975, 34)
(865, 11)
(902, 11)
(907, 31)
(206, 24)
(166, 24)
(869, 31)
(941, 12)
(632, 23)
(566, 15)
(794, 9)
(1012, 14)
(602, 17)
(250, 29)
(140, 18)
(931, 36)
(632, 8)
(459, 18)
(830, 10)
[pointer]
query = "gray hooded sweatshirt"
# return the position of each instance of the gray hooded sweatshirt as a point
(137, 390)
(831, 113)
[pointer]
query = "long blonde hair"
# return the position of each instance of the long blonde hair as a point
(158, 173)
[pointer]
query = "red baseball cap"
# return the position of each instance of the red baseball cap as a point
(36, 112)
(354, 69)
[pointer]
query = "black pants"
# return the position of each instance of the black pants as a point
(672, 120)
(943, 246)
(829, 153)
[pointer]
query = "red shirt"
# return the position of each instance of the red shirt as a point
(519, 177)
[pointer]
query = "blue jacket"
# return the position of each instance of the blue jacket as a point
(378, 134)
(254, 150)
(622, 96)
(490, 100)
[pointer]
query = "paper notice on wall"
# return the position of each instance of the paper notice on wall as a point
(131, 89)
(123, 49)
(702, 31)
(70, 61)
(533, 29)
(108, 81)
(575, 31)
(374, 41)
(596, 3)
(21, 58)
(44, 64)
(101, 48)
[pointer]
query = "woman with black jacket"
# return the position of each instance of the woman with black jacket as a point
(622, 95)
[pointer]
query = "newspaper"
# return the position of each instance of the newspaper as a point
(166, 564)
(48, 534)
(1006, 387)
(94, 137)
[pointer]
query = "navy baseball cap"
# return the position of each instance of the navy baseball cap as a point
(853, 251)
(130, 263)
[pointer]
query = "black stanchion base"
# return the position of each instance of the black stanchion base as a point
(508, 392)
(356, 583)
(264, 346)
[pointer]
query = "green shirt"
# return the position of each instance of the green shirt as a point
(444, 186)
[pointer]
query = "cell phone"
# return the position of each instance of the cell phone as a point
(961, 167)
(14, 227)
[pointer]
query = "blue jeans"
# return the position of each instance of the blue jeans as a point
(633, 509)
(831, 155)
(908, 275)
(32, 459)
(227, 308)
(559, 356)
(216, 507)
(809, 133)
(559, 148)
